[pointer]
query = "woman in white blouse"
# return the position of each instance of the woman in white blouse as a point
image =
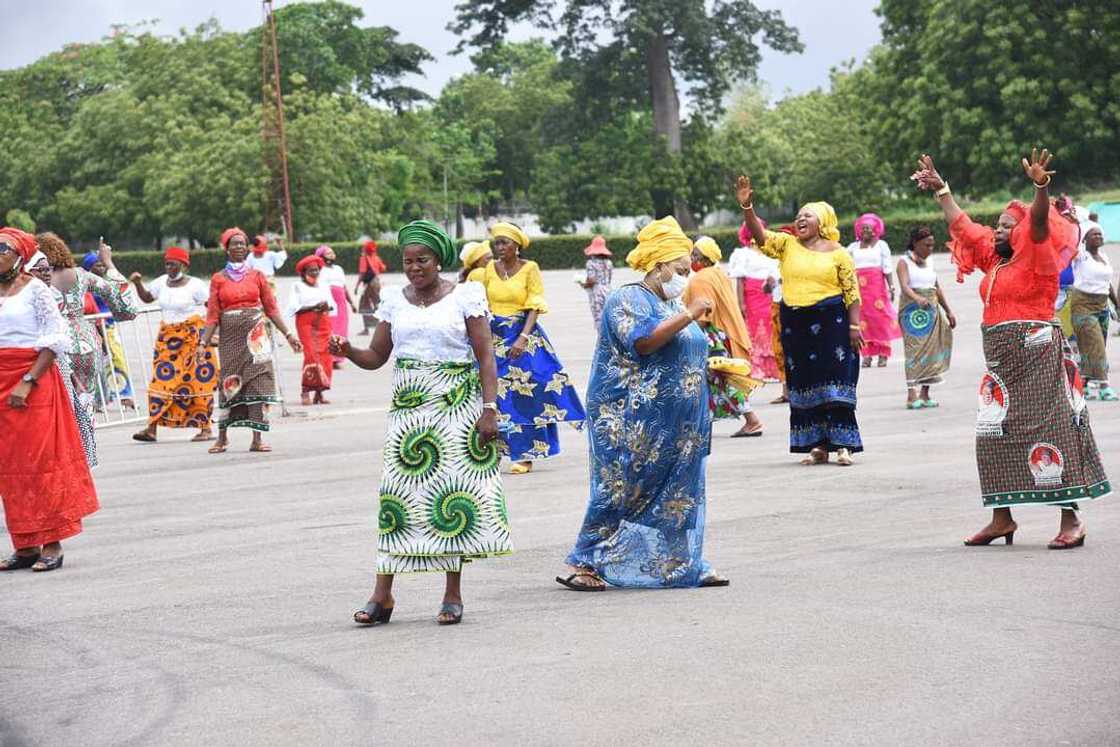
(873, 262)
(45, 485)
(756, 275)
(333, 277)
(441, 498)
(1089, 299)
(181, 392)
(927, 336)
(310, 305)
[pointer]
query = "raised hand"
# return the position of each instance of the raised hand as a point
(744, 193)
(699, 308)
(1036, 167)
(926, 176)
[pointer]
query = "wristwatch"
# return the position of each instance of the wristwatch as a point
(29, 378)
(490, 406)
(943, 191)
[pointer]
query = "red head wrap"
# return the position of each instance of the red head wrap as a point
(23, 242)
(177, 254)
(260, 245)
(370, 246)
(307, 263)
(229, 233)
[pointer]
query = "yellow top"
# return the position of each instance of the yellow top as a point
(478, 275)
(524, 291)
(810, 277)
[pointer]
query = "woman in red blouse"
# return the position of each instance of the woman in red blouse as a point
(240, 299)
(1033, 440)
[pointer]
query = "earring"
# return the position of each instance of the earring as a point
(439, 268)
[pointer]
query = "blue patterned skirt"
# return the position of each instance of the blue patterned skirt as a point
(822, 371)
(534, 392)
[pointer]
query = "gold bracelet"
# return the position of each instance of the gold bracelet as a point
(1044, 185)
(854, 327)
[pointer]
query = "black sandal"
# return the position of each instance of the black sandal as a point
(450, 608)
(17, 562)
(567, 582)
(375, 614)
(711, 581)
(47, 563)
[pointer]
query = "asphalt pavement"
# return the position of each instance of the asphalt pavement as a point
(210, 600)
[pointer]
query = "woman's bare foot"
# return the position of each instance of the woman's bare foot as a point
(305, 399)
(204, 434)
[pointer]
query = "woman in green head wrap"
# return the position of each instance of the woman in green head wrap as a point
(441, 499)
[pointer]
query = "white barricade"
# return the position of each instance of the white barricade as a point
(122, 382)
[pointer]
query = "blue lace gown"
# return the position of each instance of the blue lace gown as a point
(650, 434)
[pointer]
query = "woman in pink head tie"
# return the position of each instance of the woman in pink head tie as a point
(334, 278)
(597, 281)
(872, 256)
(757, 277)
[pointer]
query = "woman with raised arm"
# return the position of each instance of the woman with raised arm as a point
(821, 330)
(650, 430)
(241, 299)
(927, 335)
(441, 498)
(181, 393)
(1034, 444)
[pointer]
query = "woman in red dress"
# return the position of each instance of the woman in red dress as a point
(310, 305)
(45, 482)
(1034, 443)
(240, 300)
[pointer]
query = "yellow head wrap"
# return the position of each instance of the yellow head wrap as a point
(659, 242)
(826, 217)
(710, 249)
(510, 231)
(473, 251)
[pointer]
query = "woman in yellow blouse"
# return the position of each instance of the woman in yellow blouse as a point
(820, 317)
(534, 393)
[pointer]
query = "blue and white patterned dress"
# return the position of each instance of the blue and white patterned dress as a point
(650, 434)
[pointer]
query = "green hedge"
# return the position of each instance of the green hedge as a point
(551, 252)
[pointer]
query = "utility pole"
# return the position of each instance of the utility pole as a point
(274, 144)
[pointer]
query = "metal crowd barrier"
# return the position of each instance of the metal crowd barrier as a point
(122, 391)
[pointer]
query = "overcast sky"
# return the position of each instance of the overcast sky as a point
(832, 31)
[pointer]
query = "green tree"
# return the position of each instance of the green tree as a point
(978, 82)
(323, 43)
(707, 44)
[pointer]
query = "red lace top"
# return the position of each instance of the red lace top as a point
(226, 294)
(1026, 286)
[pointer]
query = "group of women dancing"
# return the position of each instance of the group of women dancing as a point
(476, 378)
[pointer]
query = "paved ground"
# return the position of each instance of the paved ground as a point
(209, 601)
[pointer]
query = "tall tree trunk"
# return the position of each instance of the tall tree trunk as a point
(458, 219)
(666, 124)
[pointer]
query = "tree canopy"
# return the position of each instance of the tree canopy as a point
(142, 137)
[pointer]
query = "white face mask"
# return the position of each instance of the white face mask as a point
(674, 286)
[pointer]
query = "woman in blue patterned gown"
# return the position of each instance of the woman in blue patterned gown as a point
(650, 430)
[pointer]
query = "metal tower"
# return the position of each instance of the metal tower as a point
(274, 146)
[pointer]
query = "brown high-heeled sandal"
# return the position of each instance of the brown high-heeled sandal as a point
(816, 456)
(1063, 544)
(981, 539)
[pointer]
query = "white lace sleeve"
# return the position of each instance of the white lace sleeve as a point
(391, 299)
(471, 297)
(48, 319)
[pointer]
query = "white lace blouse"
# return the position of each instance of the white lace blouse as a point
(31, 319)
(878, 255)
(303, 296)
(437, 332)
(180, 303)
